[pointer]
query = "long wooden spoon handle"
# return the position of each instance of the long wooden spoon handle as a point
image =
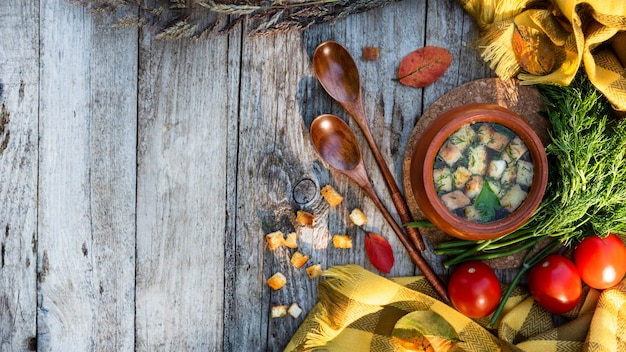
(434, 280)
(358, 113)
(406, 217)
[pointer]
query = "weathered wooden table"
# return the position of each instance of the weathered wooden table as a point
(138, 177)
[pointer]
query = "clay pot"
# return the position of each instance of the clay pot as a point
(423, 161)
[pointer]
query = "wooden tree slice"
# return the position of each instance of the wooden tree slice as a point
(524, 100)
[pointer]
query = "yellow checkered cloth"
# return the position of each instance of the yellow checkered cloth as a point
(587, 33)
(358, 309)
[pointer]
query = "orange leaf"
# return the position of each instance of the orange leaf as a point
(424, 66)
(379, 252)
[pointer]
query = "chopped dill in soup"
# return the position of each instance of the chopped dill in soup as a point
(483, 172)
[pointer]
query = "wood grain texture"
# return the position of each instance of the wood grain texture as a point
(86, 193)
(18, 174)
(181, 202)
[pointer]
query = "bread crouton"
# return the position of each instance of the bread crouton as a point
(279, 311)
(314, 271)
(305, 218)
(275, 240)
(294, 310)
(357, 217)
(298, 259)
(291, 240)
(277, 281)
(342, 241)
(331, 195)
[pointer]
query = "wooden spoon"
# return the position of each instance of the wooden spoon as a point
(337, 145)
(337, 72)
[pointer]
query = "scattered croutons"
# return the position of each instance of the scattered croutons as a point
(305, 218)
(357, 217)
(508, 176)
(277, 281)
(298, 259)
(496, 168)
(275, 240)
(294, 310)
(291, 240)
(472, 214)
(279, 311)
(314, 271)
(332, 197)
(492, 139)
(342, 241)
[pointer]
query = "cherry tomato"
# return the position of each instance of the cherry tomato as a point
(474, 289)
(555, 284)
(601, 262)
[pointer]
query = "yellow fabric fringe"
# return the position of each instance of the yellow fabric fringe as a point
(588, 33)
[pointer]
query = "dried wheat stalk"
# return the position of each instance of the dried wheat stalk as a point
(173, 19)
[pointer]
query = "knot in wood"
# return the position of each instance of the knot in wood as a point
(305, 191)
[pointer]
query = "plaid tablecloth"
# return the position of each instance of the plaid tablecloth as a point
(357, 311)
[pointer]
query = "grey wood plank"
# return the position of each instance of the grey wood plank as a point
(19, 64)
(449, 26)
(273, 157)
(231, 303)
(181, 207)
(87, 165)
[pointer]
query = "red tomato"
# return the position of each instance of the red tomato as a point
(601, 262)
(555, 284)
(474, 289)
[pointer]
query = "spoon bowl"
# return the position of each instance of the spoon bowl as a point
(336, 143)
(337, 72)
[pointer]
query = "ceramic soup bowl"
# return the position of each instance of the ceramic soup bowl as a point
(479, 171)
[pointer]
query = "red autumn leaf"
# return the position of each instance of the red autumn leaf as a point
(379, 252)
(424, 66)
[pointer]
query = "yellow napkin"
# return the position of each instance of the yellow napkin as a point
(357, 311)
(587, 33)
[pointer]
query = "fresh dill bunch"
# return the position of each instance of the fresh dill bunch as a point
(587, 192)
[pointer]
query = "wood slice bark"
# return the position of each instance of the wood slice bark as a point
(183, 134)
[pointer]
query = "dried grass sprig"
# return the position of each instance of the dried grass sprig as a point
(174, 19)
